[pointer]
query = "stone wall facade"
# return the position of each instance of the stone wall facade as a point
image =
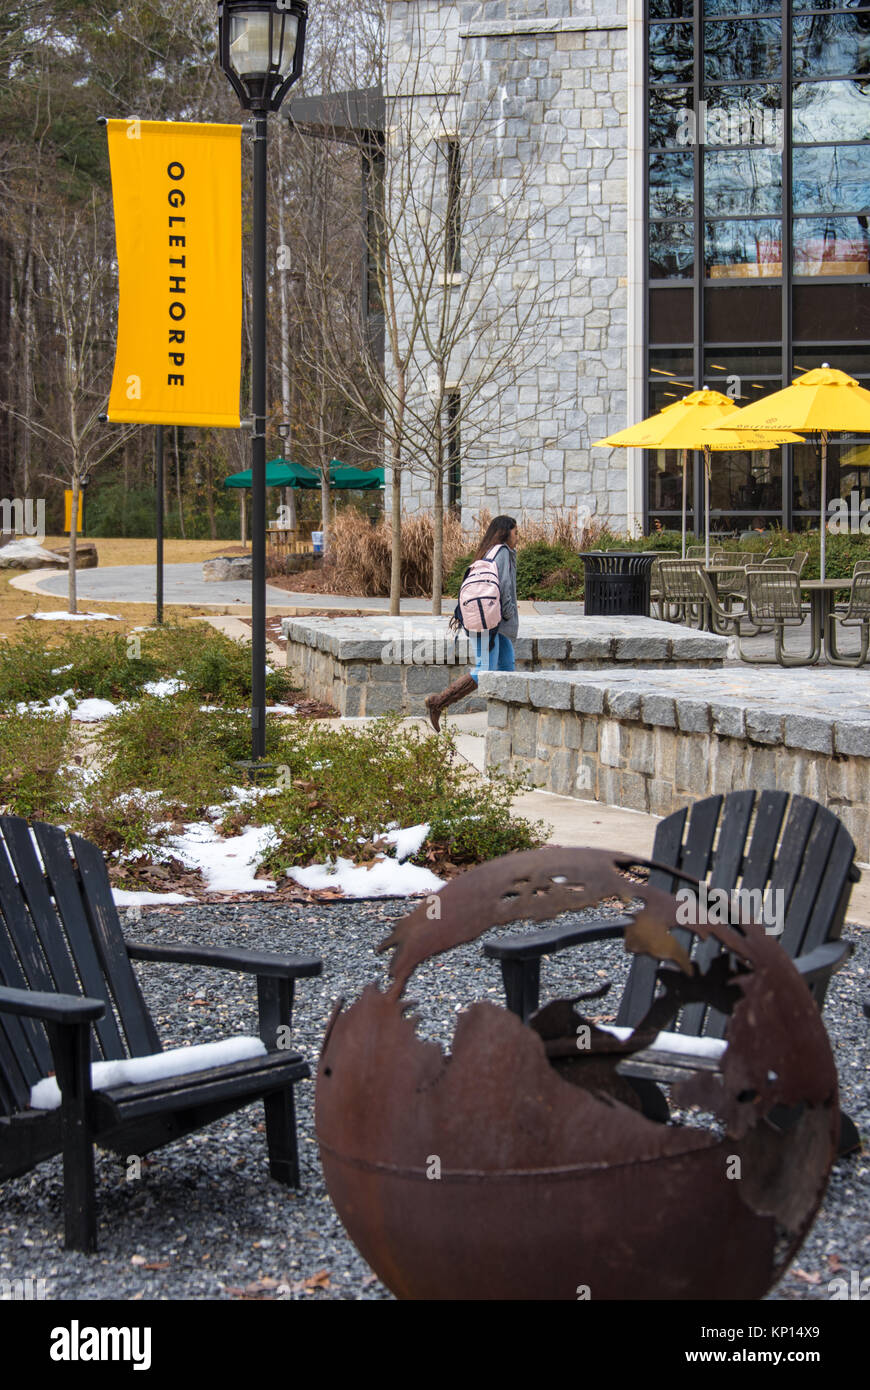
(649, 750)
(373, 666)
(547, 81)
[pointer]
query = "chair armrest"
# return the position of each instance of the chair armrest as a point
(264, 963)
(824, 960)
(51, 1008)
(541, 943)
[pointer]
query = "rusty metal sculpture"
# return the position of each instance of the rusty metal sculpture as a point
(520, 1167)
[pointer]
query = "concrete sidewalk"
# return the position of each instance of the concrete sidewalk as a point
(184, 585)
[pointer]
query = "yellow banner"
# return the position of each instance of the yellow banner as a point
(178, 229)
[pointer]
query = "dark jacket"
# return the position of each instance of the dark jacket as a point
(506, 561)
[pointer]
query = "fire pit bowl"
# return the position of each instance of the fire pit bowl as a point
(521, 1167)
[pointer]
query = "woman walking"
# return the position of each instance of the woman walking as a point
(495, 647)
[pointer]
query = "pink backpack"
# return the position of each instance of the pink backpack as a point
(479, 607)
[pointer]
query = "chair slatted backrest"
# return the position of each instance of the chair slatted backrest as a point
(762, 844)
(48, 906)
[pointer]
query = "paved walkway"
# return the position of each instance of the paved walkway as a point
(184, 584)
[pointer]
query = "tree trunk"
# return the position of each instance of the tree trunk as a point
(209, 494)
(243, 520)
(396, 538)
(73, 536)
(324, 466)
(438, 542)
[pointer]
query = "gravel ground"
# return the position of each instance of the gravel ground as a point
(204, 1221)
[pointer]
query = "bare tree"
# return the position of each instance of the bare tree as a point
(454, 243)
(78, 293)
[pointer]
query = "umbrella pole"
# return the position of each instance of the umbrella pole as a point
(706, 504)
(685, 465)
(824, 517)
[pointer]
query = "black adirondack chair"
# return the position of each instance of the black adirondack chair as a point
(746, 840)
(69, 996)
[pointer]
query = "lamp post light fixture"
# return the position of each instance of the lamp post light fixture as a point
(261, 43)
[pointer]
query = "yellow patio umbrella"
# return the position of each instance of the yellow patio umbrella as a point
(686, 425)
(822, 402)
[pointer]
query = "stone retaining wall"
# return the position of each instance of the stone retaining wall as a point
(655, 743)
(371, 666)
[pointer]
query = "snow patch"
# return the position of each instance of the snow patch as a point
(228, 866)
(92, 711)
(62, 617)
(163, 688)
(674, 1042)
(408, 842)
(178, 1061)
(385, 878)
(125, 898)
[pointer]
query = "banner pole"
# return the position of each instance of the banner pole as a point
(158, 453)
(258, 450)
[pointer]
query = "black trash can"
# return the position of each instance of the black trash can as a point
(617, 583)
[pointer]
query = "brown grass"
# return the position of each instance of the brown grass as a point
(14, 603)
(361, 553)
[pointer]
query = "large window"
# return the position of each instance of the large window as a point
(758, 206)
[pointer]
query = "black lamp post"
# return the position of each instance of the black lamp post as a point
(261, 46)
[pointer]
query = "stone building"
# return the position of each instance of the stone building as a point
(696, 175)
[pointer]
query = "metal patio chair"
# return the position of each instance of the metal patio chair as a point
(857, 615)
(773, 601)
(687, 590)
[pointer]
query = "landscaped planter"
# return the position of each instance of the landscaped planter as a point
(372, 666)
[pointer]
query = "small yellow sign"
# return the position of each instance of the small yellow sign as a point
(67, 511)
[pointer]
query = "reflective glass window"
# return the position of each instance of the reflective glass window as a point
(854, 360)
(665, 474)
(671, 362)
(671, 185)
(742, 181)
(832, 179)
(671, 9)
(830, 5)
(672, 119)
(738, 49)
(670, 52)
(740, 250)
(671, 250)
(744, 362)
(831, 246)
(743, 313)
(746, 480)
(831, 44)
(831, 110)
(739, 7)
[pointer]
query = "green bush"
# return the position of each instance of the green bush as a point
(114, 666)
(33, 783)
(338, 787)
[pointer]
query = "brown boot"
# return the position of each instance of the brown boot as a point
(435, 704)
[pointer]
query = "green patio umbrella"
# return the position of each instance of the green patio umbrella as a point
(279, 473)
(359, 479)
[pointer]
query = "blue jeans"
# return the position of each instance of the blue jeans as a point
(495, 652)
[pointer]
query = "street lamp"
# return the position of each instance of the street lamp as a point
(261, 43)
